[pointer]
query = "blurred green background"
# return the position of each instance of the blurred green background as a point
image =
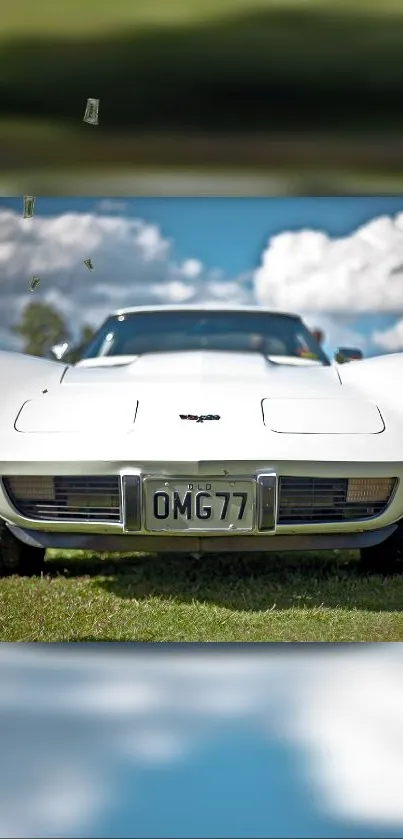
(202, 97)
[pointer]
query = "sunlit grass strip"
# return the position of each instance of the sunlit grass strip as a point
(289, 597)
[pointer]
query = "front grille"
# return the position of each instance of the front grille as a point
(323, 500)
(65, 498)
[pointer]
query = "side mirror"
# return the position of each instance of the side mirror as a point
(345, 354)
(59, 350)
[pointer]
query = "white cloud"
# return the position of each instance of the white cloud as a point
(232, 292)
(175, 291)
(133, 265)
(391, 339)
(309, 271)
(337, 332)
(191, 268)
(326, 280)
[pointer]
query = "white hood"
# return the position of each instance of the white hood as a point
(207, 367)
(245, 390)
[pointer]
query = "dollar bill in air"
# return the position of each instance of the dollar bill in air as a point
(29, 202)
(91, 111)
(34, 282)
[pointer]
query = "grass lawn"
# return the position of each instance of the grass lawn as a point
(92, 16)
(287, 597)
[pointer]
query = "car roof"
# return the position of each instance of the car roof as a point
(207, 307)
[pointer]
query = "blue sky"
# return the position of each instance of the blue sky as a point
(230, 235)
(238, 785)
(230, 232)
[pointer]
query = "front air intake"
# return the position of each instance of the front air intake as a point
(327, 500)
(65, 498)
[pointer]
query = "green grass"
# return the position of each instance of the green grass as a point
(93, 16)
(287, 597)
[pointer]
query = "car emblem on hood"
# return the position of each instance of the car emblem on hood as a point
(199, 418)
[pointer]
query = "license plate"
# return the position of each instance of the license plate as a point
(186, 505)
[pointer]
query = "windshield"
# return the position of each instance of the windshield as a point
(274, 335)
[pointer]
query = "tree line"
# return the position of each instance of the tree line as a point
(41, 327)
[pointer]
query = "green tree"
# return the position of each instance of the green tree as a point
(41, 326)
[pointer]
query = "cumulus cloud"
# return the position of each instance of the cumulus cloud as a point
(338, 332)
(328, 281)
(174, 291)
(133, 262)
(309, 271)
(391, 339)
(191, 268)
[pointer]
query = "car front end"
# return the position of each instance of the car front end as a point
(134, 470)
(202, 432)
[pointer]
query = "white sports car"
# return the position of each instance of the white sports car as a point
(200, 429)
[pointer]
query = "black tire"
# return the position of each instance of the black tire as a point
(386, 558)
(18, 558)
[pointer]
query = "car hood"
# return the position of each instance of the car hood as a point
(242, 389)
(206, 367)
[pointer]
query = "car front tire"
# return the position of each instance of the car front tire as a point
(18, 558)
(386, 558)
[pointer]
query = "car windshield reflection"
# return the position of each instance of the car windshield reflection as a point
(277, 336)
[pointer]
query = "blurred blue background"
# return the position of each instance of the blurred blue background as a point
(188, 740)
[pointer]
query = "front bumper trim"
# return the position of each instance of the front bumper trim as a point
(110, 542)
